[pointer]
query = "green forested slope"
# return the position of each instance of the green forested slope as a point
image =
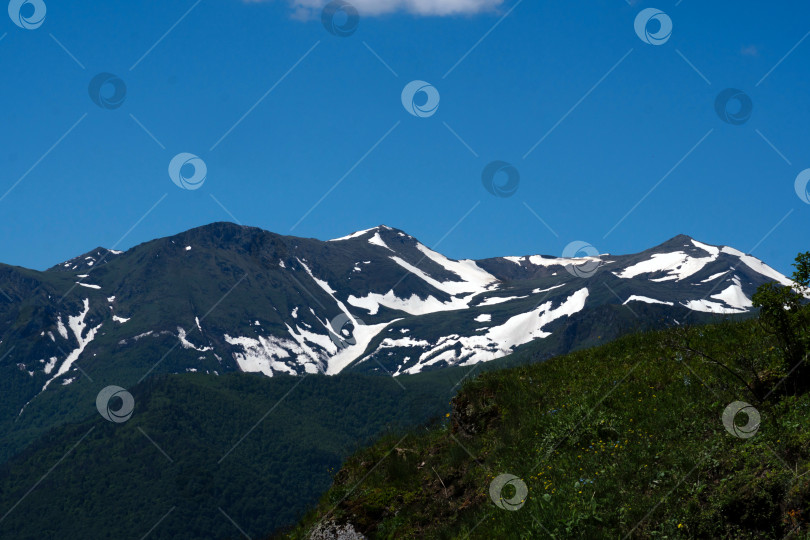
(620, 440)
(115, 483)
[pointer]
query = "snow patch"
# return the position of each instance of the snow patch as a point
(712, 250)
(734, 296)
(61, 327)
(539, 260)
(473, 277)
(50, 365)
(715, 276)
(321, 283)
(353, 235)
(758, 266)
(707, 306)
(492, 300)
(262, 355)
(181, 335)
(637, 298)
(499, 341)
(538, 291)
(363, 334)
(378, 241)
(88, 285)
(413, 305)
(677, 266)
(77, 325)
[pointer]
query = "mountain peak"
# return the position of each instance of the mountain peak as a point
(379, 228)
(678, 243)
(681, 237)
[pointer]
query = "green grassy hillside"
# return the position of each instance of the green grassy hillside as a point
(621, 440)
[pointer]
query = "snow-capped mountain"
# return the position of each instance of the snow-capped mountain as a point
(225, 298)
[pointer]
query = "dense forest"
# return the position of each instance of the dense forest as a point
(260, 449)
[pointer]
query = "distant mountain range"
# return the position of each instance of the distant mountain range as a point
(227, 298)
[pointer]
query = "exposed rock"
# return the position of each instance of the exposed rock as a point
(329, 530)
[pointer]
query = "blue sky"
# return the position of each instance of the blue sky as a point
(617, 117)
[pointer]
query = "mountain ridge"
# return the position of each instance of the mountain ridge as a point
(224, 297)
(225, 225)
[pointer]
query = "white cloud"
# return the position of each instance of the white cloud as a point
(307, 9)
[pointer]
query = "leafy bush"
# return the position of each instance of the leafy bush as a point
(785, 313)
